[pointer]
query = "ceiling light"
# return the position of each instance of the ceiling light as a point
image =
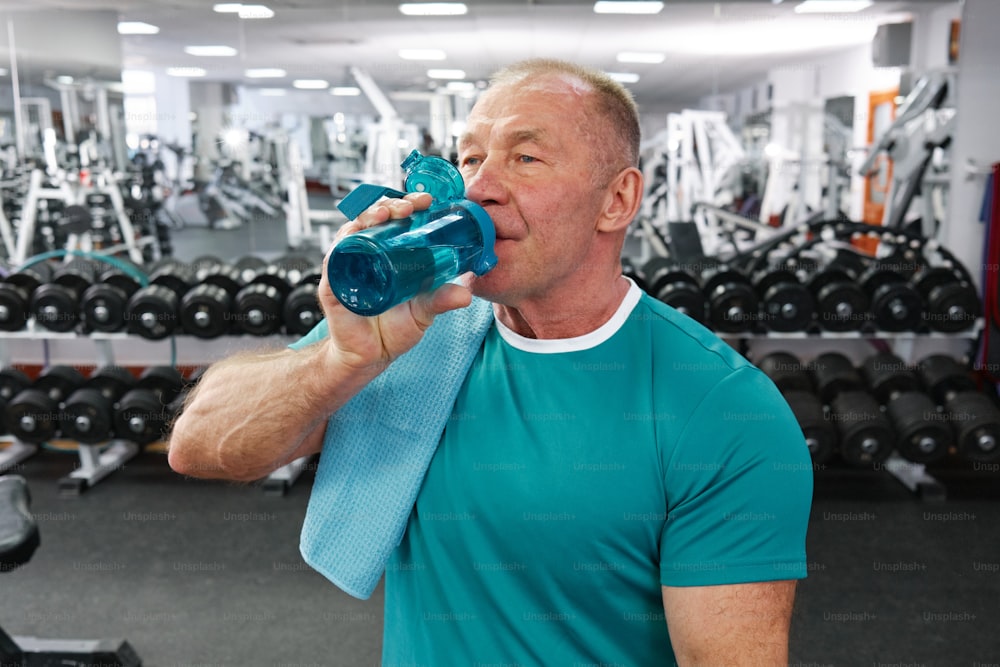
(4, 71)
(832, 6)
(136, 28)
(433, 8)
(255, 12)
(641, 57)
(210, 51)
(271, 92)
(770, 37)
(623, 77)
(64, 79)
(422, 54)
(311, 84)
(446, 73)
(345, 91)
(227, 7)
(627, 7)
(265, 73)
(460, 85)
(186, 71)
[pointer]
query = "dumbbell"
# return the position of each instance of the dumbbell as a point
(733, 304)
(56, 304)
(676, 287)
(841, 303)
(785, 303)
(249, 266)
(87, 415)
(922, 433)
(33, 414)
(257, 308)
(12, 382)
(865, 434)
(15, 294)
(951, 303)
(301, 311)
(103, 304)
(786, 371)
(795, 383)
(973, 415)
(631, 270)
(206, 309)
(896, 305)
(142, 415)
(152, 311)
(177, 404)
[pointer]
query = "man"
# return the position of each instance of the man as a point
(616, 484)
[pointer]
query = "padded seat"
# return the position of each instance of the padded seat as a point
(18, 530)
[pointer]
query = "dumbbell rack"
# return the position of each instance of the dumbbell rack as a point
(36, 346)
(907, 345)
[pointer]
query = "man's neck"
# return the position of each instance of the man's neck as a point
(564, 316)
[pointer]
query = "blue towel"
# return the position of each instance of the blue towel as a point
(377, 449)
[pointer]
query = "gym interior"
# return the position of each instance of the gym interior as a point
(821, 190)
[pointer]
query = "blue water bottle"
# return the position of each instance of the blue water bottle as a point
(382, 266)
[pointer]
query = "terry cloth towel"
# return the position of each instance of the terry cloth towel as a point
(377, 449)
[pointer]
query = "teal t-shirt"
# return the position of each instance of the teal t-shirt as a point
(575, 477)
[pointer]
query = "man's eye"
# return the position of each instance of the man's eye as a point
(527, 159)
(470, 161)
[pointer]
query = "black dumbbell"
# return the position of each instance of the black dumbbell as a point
(785, 303)
(786, 372)
(676, 287)
(973, 415)
(841, 303)
(733, 304)
(56, 304)
(15, 294)
(33, 414)
(896, 305)
(834, 373)
(951, 302)
(301, 311)
(631, 270)
(12, 382)
(152, 312)
(922, 432)
(103, 304)
(817, 429)
(249, 266)
(257, 308)
(206, 310)
(143, 415)
(88, 413)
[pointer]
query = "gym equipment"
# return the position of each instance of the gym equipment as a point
(630, 270)
(33, 414)
(249, 266)
(896, 305)
(257, 308)
(819, 432)
(377, 268)
(103, 304)
(152, 311)
(301, 311)
(88, 413)
(866, 436)
(19, 538)
(55, 304)
(15, 294)
(972, 414)
(676, 287)
(12, 382)
(841, 303)
(785, 303)
(733, 304)
(922, 434)
(206, 308)
(951, 301)
(142, 415)
(786, 372)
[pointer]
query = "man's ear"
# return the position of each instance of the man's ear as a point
(621, 202)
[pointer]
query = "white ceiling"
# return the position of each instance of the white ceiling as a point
(710, 46)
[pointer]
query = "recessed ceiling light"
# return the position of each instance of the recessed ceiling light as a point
(446, 73)
(641, 57)
(265, 73)
(311, 84)
(136, 28)
(345, 91)
(271, 92)
(627, 7)
(433, 8)
(4, 71)
(210, 51)
(832, 6)
(255, 12)
(227, 7)
(64, 79)
(422, 54)
(460, 85)
(623, 77)
(186, 71)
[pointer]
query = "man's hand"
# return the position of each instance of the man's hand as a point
(372, 343)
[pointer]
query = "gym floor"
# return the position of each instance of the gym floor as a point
(208, 573)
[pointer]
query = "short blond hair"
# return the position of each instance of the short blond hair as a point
(612, 102)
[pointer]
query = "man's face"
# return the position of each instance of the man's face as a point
(528, 157)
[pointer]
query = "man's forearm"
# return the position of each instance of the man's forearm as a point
(251, 413)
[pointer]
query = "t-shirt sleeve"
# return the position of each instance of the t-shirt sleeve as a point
(316, 334)
(739, 481)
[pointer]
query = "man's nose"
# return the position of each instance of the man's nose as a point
(486, 185)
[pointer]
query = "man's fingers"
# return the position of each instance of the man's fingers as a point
(425, 307)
